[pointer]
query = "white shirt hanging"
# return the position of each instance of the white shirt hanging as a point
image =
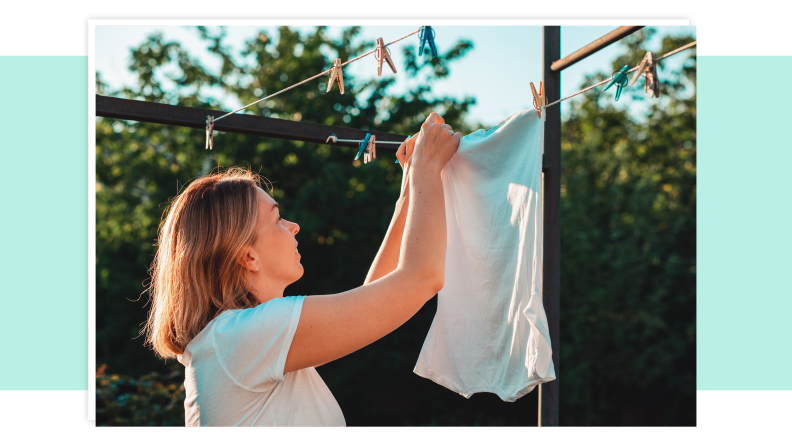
(490, 332)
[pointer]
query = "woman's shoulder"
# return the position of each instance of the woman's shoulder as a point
(251, 344)
(239, 319)
(266, 320)
(268, 307)
(279, 309)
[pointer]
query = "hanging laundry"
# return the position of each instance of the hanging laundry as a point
(490, 333)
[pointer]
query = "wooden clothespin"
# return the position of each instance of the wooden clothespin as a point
(539, 100)
(383, 52)
(648, 68)
(427, 36)
(336, 74)
(620, 79)
(209, 132)
(371, 150)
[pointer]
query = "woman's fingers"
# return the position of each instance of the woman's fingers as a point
(434, 118)
(405, 153)
(400, 152)
(405, 150)
(411, 146)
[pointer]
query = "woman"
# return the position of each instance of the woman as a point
(225, 256)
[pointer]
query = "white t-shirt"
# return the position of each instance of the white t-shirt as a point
(234, 372)
(490, 332)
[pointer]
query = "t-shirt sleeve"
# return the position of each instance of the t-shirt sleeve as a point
(252, 344)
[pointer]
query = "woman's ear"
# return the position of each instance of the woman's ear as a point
(249, 260)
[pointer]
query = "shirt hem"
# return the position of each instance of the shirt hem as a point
(468, 391)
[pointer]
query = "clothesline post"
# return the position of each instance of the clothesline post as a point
(551, 222)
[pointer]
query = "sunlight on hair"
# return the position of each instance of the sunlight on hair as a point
(195, 274)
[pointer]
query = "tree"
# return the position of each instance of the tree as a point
(628, 250)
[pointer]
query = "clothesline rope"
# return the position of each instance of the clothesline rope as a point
(671, 53)
(314, 77)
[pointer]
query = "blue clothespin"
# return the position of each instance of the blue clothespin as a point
(620, 80)
(363, 144)
(427, 36)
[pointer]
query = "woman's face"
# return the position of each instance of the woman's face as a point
(275, 246)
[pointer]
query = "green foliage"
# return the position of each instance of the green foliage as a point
(151, 400)
(628, 232)
(627, 220)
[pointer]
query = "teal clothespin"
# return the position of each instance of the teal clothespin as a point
(363, 144)
(427, 36)
(620, 80)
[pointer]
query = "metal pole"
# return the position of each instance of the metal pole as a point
(551, 222)
(593, 47)
(144, 111)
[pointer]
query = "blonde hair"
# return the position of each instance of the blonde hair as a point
(195, 274)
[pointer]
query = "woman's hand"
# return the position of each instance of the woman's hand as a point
(435, 135)
(436, 143)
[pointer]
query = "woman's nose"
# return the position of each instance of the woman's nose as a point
(296, 228)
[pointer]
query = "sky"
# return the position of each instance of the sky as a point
(497, 71)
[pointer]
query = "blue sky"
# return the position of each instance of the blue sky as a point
(496, 72)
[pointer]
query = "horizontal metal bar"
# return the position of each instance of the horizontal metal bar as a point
(144, 111)
(613, 36)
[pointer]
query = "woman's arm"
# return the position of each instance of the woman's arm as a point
(334, 326)
(387, 258)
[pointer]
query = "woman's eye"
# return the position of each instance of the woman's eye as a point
(280, 218)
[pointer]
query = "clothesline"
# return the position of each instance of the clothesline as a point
(670, 53)
(314, 77)
(210, 120)
(682, 48)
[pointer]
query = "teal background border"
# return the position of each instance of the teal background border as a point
(743, 215)
(44, 256)
(744, 223)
